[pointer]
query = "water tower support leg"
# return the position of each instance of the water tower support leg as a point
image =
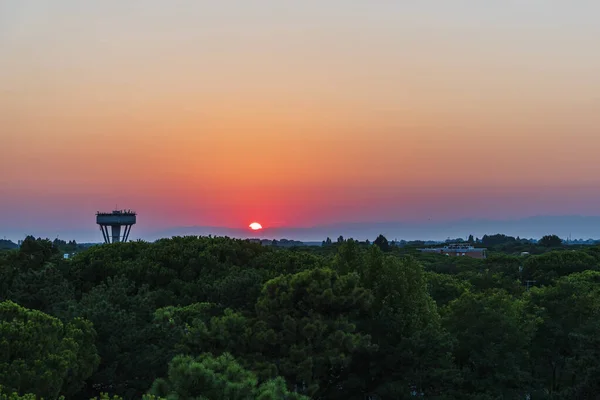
(116, 233)
(126, 233)
(104, 234)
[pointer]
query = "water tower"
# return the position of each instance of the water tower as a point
(116, 220)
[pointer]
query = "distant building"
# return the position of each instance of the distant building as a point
(458, 250)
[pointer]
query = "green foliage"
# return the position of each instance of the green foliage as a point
(498, 239)
(413, 348)
(207, 377)
(41, 355)
(566, 345)
(445, 288)
(122, 316)
(450, 265)
(493, 333)
(508, 266)
(7, 245)
(44, 289)
(106, 396)
(103, 396)
(343, 321)
(550, 241)
(382, 243)
(306, 320)
(11, 395)
(348, 258)
(548, 267)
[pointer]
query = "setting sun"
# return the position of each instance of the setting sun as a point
(255, 226)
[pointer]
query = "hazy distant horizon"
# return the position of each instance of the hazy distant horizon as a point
(576, 226)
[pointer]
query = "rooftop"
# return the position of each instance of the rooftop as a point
(117, 212)
(456, 247)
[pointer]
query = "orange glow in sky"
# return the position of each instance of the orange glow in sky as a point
(296, 113)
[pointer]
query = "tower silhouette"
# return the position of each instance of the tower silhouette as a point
(116, 220)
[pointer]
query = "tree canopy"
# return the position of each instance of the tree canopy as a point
(220, 318)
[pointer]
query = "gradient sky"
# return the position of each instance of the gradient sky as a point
(296, 113)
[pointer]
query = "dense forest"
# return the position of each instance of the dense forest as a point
(218, 318)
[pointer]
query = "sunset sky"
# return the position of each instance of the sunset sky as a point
(296, 113)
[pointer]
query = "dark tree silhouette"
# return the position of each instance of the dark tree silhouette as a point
(382, 243)
(550, 241)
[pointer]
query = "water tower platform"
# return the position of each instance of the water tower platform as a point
(116, 220)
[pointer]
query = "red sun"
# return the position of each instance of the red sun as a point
(255, 226)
